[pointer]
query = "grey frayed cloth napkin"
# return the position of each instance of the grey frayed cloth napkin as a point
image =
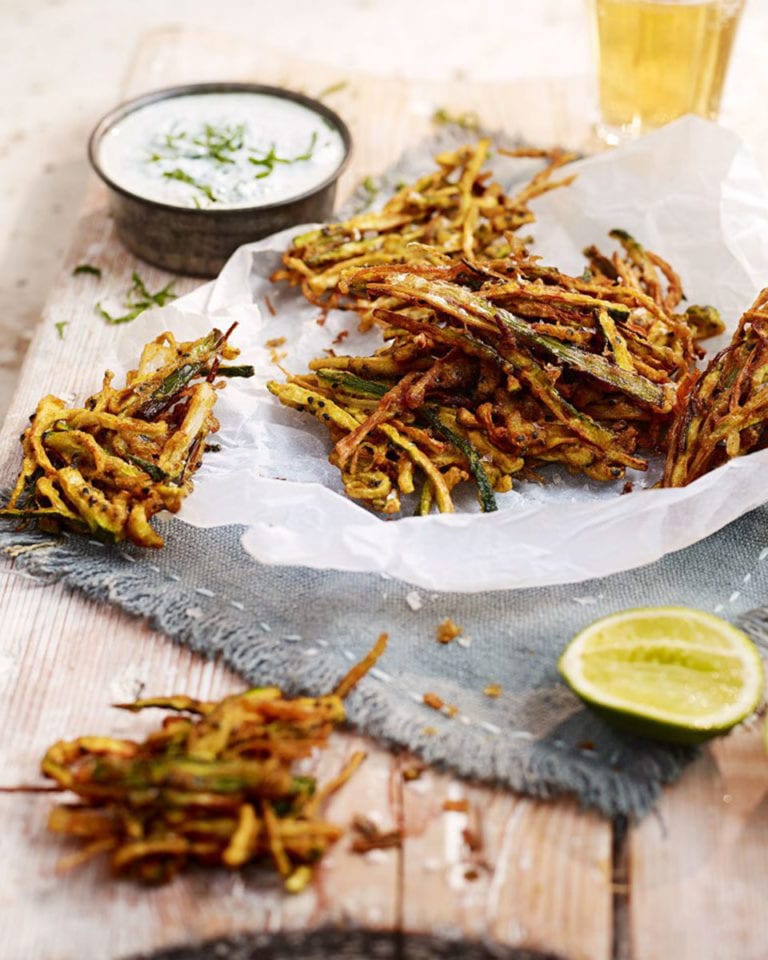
(302, 629)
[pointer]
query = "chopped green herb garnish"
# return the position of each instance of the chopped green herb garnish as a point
(372, 190)
(307, 155)
(217, 143)
(224, 146)
(60, 328)
(86, 268)
(172, 140)
(333, 88)
(271, 159)
(214, 143)
(467, 121)
(179, 174)
(137, 300)
(268, 162)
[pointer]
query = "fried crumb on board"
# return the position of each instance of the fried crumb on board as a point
(412, 771)
(369, 836)
(456, 806)
(448, 631)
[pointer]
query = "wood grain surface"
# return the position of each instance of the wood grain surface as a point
(509, 872)
(698, 869)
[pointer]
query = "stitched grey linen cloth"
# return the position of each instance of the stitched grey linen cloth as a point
(302, 629)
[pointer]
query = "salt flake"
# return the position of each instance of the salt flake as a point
(413, 599)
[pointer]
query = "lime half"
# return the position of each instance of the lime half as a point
(670, 673)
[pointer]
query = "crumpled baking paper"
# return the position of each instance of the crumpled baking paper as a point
(689, 191)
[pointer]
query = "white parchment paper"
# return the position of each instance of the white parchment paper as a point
(690, 192)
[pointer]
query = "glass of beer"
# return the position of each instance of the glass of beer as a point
(659, 59)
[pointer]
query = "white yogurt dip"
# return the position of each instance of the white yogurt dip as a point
(221, 150)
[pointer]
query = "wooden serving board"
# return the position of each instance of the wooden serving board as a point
(687, 883)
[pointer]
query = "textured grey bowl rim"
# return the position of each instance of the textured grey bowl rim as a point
(122, 110)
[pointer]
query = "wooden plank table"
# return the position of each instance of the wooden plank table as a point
(685, 883)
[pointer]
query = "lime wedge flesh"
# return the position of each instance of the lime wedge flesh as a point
(671, 673)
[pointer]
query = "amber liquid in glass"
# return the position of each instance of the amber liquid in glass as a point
(660, 59)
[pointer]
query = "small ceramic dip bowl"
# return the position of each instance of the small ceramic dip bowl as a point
(195, 171)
